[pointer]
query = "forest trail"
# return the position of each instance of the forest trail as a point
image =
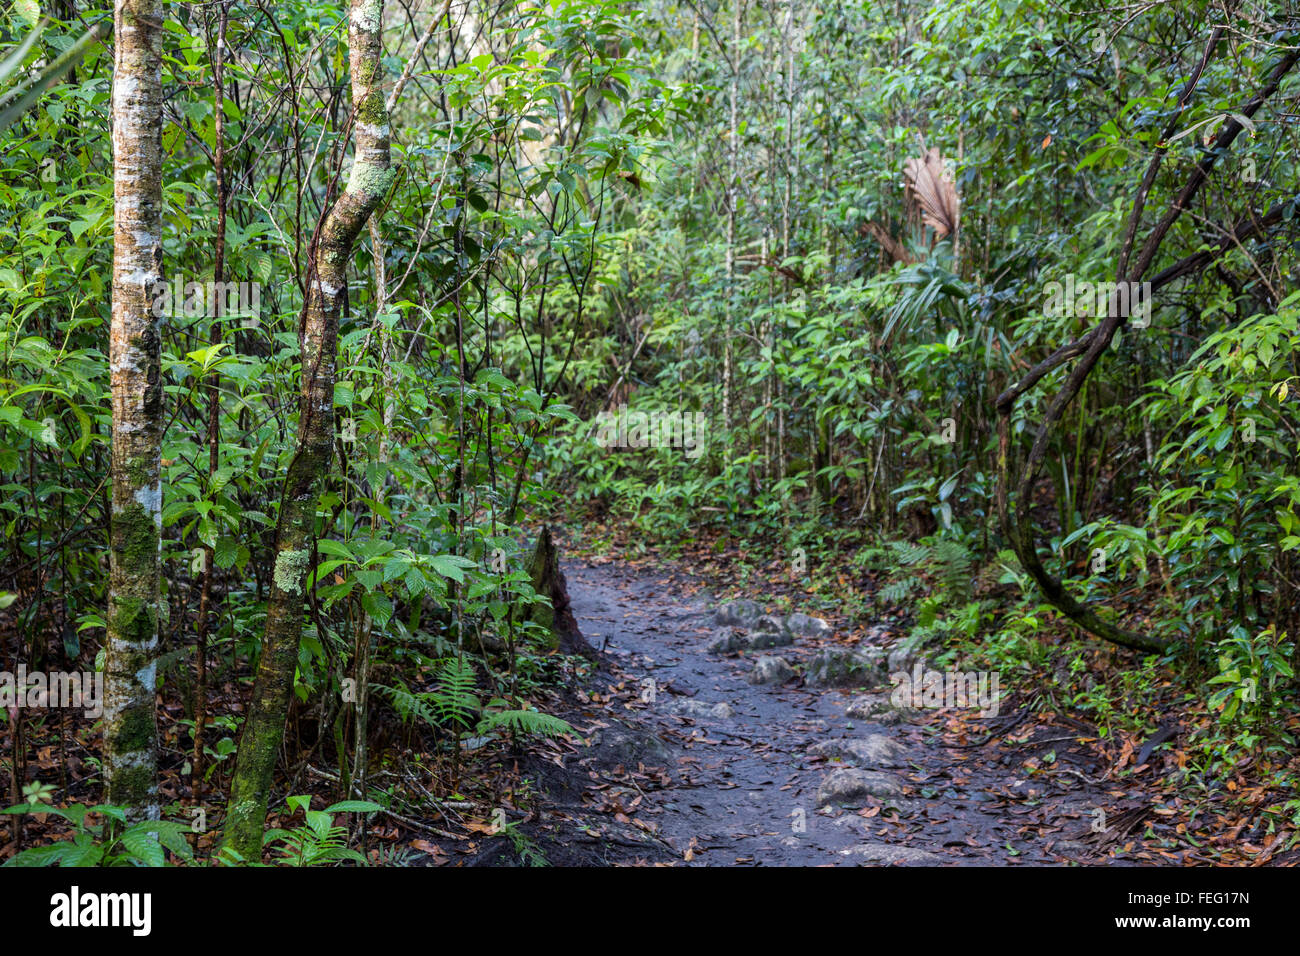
(689, 761)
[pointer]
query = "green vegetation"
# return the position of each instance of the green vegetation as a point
(773, 275)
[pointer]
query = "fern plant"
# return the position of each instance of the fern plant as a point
(526, 848)
(521, 722)
(109, 843)
(318, 842)
(411, 706)
(908, 554)
(455, 699)
(899, 589)
(452, 704)
(953, 562)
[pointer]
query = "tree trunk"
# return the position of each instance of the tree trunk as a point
(296, 526)
(131, 644)
(548, 581)
(733, 145)
(214, 393)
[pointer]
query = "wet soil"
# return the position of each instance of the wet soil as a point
(665, 775)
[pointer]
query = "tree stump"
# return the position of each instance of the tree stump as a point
(548, 581)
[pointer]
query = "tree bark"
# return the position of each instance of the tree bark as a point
(131, 643)
(548, 581)
(296, 526)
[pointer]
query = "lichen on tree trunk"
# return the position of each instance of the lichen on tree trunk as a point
(370, 178)
(131, 642)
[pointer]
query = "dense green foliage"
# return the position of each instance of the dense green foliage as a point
(669, 208)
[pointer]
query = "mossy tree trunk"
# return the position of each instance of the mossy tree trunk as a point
(131, 644)
(296, 526)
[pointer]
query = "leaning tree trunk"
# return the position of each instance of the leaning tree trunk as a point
(131, 648)
(296, 526)
(1092, 345)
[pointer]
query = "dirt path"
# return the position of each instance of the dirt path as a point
(689, 762)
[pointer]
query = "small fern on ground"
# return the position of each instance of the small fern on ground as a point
(318, 842)
(526, 848)
(523, 722)
(953, 561)
(409, 705)
(455, 699)
(908, 554)
(899, 590)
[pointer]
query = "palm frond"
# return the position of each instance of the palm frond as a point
(932, 193)
(22, 97)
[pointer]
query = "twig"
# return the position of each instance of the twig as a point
(1000, 732)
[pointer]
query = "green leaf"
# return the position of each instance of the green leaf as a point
(143, 845)
(450, 565)
(225, 552)
(354, 806)
(22, 97)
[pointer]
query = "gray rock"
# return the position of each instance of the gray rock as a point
(686, 707)
(905, 653)
(876, 634)
(873, 750)
(847, 667)
(850, 787)
(698, 708)
(805, 625)
(764, 635)
(851, 821)
(618, 745)
(874, 707)
(727, 640)
(768, 623)
(886, 853)
(770, 670)
(738, 614)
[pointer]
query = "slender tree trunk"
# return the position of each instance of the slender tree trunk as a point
(130, 717)
(786, 200)
(296, 527)
(214, 391)
(365, 637)
(733, 145)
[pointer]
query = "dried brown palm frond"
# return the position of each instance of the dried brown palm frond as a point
(932, 193)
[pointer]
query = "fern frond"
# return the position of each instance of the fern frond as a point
(524, 722)
(898, 590)
(455, 699)
(908, 554)
(410, 706)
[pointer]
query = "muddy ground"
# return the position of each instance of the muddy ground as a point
(684, 761)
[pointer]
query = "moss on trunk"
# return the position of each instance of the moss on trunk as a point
(134, 599)
(296, 527)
